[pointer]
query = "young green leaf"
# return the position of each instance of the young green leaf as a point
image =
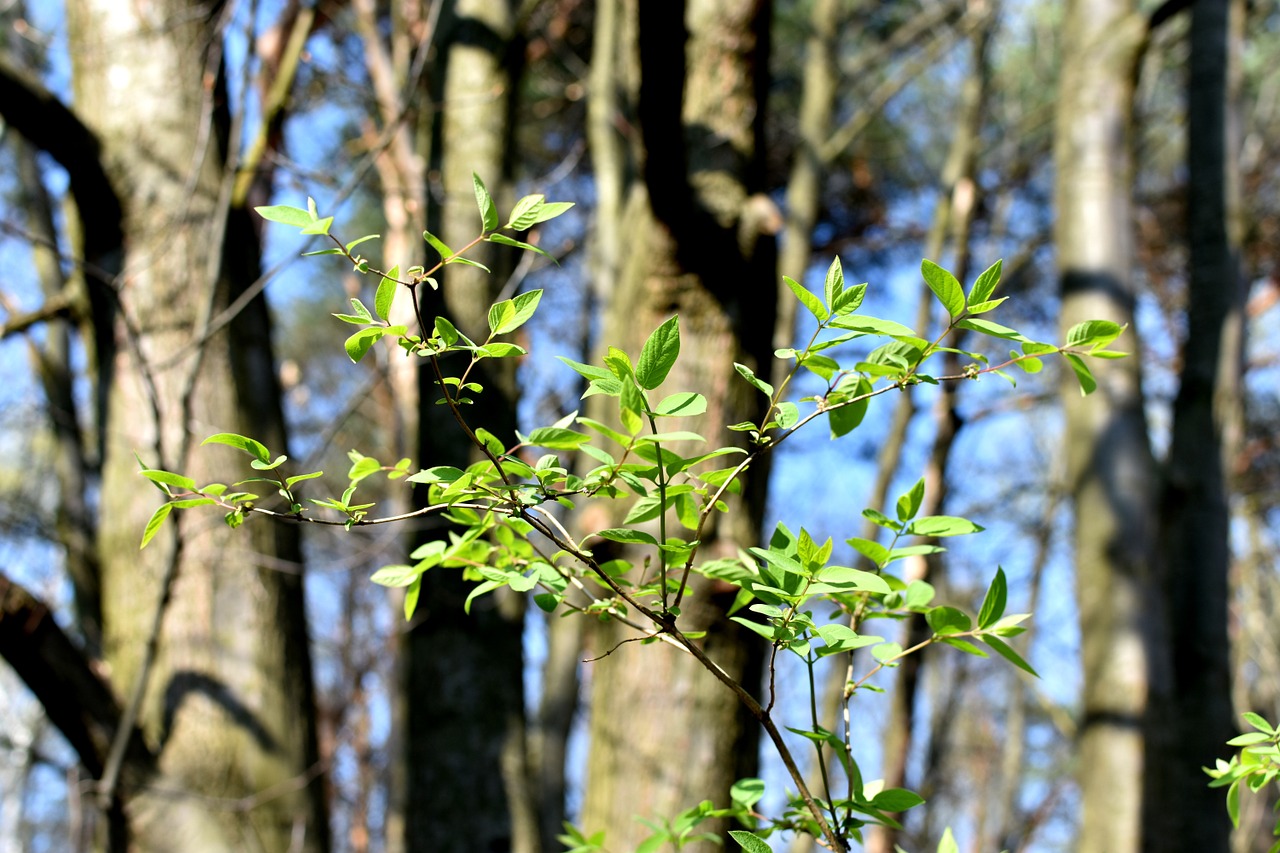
(985, 285)
(1008, 653)
(508, 315)
(396, 576)
(993, 603)
(285, 215)
(909, 503)
(153, 526)
(808, 299)
(834, 284)
(439, 245)
(683, 405)
(945, 287)
(488, 213)
(1083, 375)
(386, 292)
(240, 442)
(525, 213)
(357, 346)
(750, 842)
(504, 240)
(166, 478)
(659, 354)
(755, 381)
(627, 536)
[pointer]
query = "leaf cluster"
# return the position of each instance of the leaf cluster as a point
(504, 508)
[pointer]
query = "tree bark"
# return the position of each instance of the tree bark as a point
(664, 734)
(1110, 470)
(1192, 716)
(228, 703)
(468, 783)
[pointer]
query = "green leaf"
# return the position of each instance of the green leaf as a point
(987, 327)
(993, 603)
(942, 525)
(896, 800)
(524, 214)
(631, 407)
(396, 576)
(358, 345)
(166, 478)
(1085, 376)
(627, 536)
(285, 215)
(240, 442)
(873, 551)
(488, 213)
(948, 620)
(411, 597)
(1008, 653)
(659, 354)
(683, 404)
(945, 287)
(850, 300)
(845, 576)
(386, 292)
(947, 844)
(834, 284)
(557, 438)
(320, 226)
(750, 842)
(504, 240)
(756, 382)
(1259, 722)
(788, 415)
(909, 503)
(153, 526)
(467, 262)
(872, 326)
(747, 792)
(808, 299)
(845, 418)
(437, 244)
(985, 286)
(1093, 333)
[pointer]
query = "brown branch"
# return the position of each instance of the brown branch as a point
(77, 700)
(59, 306)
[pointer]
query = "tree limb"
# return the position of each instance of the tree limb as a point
(78, 701)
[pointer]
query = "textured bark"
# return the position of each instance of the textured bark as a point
(228, 708)
(1191, 714)
(664, 734)
(468, 786)
(1110, 471)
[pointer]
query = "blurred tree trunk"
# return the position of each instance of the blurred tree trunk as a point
(664, 733)
(953, 220)
(1111, 474)
(468, 778)
(1191, 710)
(228, 705)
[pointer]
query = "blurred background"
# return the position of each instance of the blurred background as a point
(252, 690)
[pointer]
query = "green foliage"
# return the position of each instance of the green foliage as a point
(1255, 766)
(791, 592)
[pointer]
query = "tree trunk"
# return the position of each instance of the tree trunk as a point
(1192, 718)
(228, 703)
(664, 734)
(1110, 470)
(468, 783)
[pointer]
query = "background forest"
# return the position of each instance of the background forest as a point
(252, 690)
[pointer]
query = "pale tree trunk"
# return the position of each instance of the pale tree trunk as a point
(664, 734)
(228, 706)
(468, 779)
(1192, 716)
(1111, 474)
